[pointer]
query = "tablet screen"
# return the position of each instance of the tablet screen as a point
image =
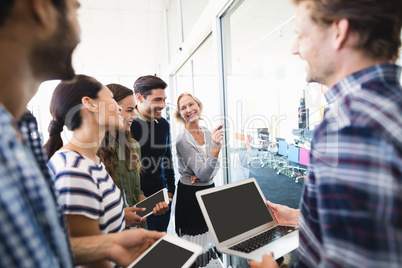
(166, 255)
(150, 203)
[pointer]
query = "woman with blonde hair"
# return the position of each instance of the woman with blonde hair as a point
(197, 152)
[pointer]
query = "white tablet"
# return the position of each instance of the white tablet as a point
(168, 252)
(150, 202)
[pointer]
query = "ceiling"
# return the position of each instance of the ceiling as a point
(121, 39)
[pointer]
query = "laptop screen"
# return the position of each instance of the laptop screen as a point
(236, 210)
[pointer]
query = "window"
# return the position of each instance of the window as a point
(264, 86)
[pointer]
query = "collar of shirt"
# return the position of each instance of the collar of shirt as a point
(385, 72)
(143, 118)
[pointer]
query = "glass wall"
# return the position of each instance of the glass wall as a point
(265, 92)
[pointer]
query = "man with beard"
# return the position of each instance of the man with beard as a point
(37, 38)
(350, 213)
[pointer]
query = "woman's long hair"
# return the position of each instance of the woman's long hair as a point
(65, 108)
(107, 152)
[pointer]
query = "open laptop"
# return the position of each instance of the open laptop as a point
(240, 221)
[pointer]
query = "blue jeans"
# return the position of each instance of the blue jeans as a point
(159, 223)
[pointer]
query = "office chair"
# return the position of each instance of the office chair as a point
(282, 161)
(268, 157)
(293, 157)
(250, 146)
(308, 134)
(298, 135)
(263, 137)
(304, 160)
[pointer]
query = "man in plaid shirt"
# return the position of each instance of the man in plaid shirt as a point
(351, 208)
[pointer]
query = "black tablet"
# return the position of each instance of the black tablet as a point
(168, 252)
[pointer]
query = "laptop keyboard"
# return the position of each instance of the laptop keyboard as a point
(263, 239)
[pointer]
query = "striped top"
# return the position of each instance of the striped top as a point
(351, 212)
(87, 189)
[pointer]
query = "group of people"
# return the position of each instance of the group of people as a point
(120, 153)
(74, 204)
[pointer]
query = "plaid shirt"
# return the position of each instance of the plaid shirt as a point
(351, 212)
(32, 229)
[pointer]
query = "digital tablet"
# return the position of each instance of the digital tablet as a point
(168, 252)
(150, 202)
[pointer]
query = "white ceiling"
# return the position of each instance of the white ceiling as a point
(121, 39)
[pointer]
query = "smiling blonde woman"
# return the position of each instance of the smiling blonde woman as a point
(197, 152)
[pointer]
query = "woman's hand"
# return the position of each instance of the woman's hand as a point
(217, 136)
(132, 219)
(194, 179)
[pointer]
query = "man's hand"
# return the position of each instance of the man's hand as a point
(170, 195)
(122, 248)
(161, 208)
(284, 214)
(130, 244)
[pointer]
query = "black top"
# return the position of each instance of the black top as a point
(156, 155)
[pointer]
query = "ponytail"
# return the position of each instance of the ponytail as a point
(54, 142)
(66, 98)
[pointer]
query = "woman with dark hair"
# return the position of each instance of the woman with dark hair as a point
(121, 155)
(92, 202)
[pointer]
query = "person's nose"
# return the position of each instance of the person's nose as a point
(162, 105)
(295, 47)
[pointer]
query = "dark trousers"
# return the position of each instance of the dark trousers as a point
(159, 223)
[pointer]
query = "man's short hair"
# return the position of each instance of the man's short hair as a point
(377, 23)
(5, 6)
(145, 84)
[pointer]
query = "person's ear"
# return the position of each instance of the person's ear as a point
(89, 104)
(341, 33)
(44, 12)
(139, 98)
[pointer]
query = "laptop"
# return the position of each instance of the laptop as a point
(242, 225)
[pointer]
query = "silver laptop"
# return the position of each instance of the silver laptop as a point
(241, 223)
